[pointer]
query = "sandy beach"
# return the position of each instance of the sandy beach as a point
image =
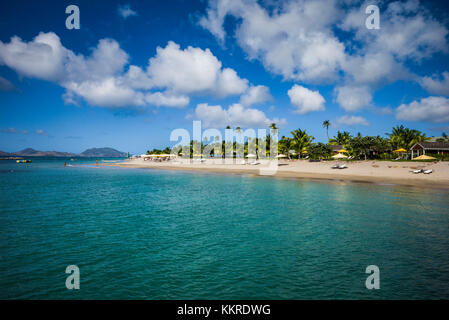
(380, 172)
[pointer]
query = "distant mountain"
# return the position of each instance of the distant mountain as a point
(94, 152)
(103, 152)
(29, 152)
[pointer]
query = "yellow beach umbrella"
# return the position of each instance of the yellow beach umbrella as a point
(400, 150)
(339, 156)
(424, 157)
(342, 150)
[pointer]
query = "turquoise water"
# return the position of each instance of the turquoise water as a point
(146, 234)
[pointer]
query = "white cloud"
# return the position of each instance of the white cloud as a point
(41, 58)
(161, 99)
(305, 100)
(236, 116)
(108, 92)
(125, 11)
(431, 109)
(301, 40)
(352, 121)
(436, 86)
(193, 71)
(294, 41)
(353, 98)
(105, 79)
(256, 94)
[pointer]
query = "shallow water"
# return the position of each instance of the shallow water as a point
(147, 234)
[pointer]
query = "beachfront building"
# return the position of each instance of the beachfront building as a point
(335, 148)
(421, 148)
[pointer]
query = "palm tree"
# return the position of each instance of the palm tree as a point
(326, 124)
(273, 126)
(301, 140)
(402, 137)
(342, 138)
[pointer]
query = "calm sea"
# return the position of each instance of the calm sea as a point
(147, 234)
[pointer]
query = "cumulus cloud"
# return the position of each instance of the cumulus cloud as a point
(436, 85)
(302, 40)
(294, 41)
(41, 58)
(352, 121)
(236, 116)
(105, 78)
(305, 100)
(431, 109)
(125, 11)
(161, 99)
(6, 85)
(193, 71)
(256, 94)
(353, 98)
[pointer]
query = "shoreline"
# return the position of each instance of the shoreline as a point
(303, 170)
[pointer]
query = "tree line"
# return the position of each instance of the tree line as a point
(301, 145)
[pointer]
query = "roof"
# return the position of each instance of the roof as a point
(335, 148)
(433, 145)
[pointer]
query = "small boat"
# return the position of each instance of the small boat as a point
(23, 161)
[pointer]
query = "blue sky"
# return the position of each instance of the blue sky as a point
(126, 81)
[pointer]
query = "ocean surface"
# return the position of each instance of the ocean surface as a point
(148, 234)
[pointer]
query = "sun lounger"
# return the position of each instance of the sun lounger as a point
(254, 163)
(416, 171)
(336, 166)
(428, 171)
(343, 166)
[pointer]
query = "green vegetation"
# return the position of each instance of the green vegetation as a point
(300, 145)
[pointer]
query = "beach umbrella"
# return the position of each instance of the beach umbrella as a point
(424, 157)
(342, 150)
(339, 156)
(281, 156)
(400, 150)
(251, 155)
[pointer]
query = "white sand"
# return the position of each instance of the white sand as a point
(362, 171)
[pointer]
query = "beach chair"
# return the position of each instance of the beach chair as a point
(416, 171)
(428, 171)
(343, 166)
(254, 163)
(336, 166)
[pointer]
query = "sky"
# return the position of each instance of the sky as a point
(136, 70)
